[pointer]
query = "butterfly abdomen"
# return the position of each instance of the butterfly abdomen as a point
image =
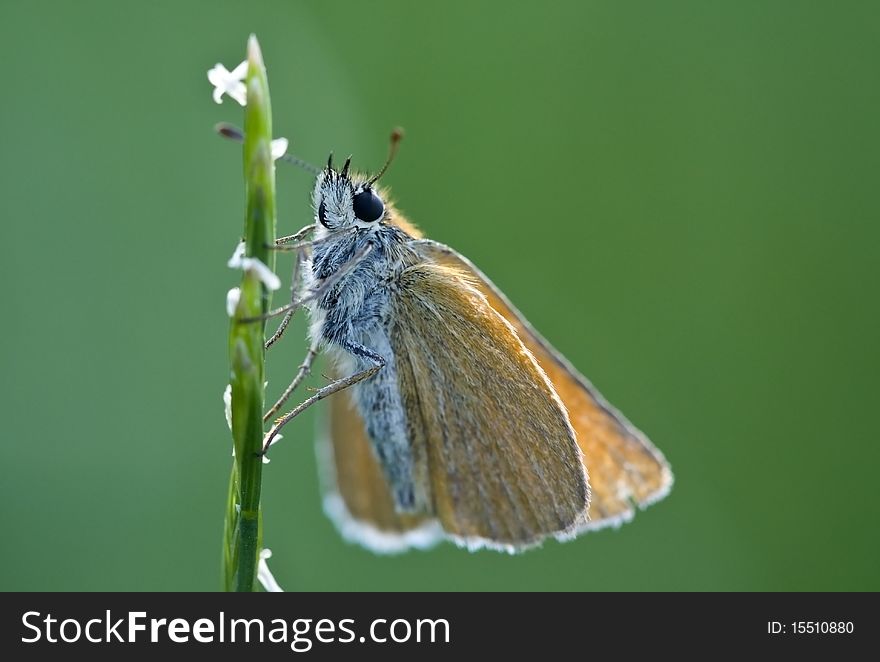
(352, 319)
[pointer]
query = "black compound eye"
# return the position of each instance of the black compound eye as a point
(368, 206)
(322, 214)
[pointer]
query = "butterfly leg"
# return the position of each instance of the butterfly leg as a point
(294, 286)
(305, 369)
(296, 236)
(368, 355)
(292, 242)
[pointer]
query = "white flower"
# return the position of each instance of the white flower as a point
(278, 148)
(232, 297)
(264, 273)
(237, 255)
(275, 440)
(227, 407)
(229, 82)
(264, 575)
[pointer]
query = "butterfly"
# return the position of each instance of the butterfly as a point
(451, 417)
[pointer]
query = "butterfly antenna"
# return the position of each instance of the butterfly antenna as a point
(234, 133)
(396, 137)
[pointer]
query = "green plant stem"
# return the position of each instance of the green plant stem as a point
(243, 531)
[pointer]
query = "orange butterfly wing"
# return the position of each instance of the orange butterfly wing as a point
(624, 466)
(491, 440)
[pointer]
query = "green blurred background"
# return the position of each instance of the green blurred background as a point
(682, 196)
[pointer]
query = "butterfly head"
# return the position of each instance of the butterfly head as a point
(343, 199)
